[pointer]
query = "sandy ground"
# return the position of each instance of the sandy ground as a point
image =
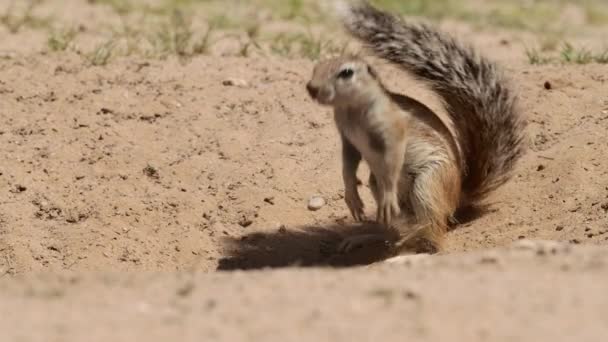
(124, 187)
(546, 294)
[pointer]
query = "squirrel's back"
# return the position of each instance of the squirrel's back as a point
(482, 107)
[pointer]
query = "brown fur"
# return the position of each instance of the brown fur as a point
(419, 165)
(477, 95)
(421, 174)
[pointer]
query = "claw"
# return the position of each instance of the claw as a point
(388, 208)
(355, 205)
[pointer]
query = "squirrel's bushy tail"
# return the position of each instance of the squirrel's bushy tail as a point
(477, 97)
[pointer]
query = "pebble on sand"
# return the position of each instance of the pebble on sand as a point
(316, 203)
(235, 82)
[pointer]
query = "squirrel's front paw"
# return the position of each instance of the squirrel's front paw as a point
(388, 208)
(355, 205)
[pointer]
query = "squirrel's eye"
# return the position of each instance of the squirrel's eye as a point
(346, 73)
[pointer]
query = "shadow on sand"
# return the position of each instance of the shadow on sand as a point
(315, 245)
(304, 247)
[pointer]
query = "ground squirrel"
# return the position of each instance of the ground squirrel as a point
(421, 173)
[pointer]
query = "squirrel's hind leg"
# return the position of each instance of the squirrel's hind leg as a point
(433, 197)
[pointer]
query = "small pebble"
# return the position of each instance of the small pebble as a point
(316, 203)
(547, 85)
(235, 82)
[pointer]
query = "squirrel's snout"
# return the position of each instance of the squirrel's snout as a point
(312, 90)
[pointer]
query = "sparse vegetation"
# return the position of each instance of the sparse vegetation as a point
(596, 12)
(308, 45)
(60, 40)
(435, 9)
(568, 54)
(312, 46)
(172, 37)
(187, 28)
(14, 19)
(601, 57)
(251, 40)
(102, 53)
(536, 57)
(121, 7)
(582, 55)
(537, 16)
(203, 45)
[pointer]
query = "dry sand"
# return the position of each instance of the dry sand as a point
(125, 187)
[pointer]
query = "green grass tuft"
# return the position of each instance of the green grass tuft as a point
(535, 57)
(569, 54)
(60, 40)
(101, 55)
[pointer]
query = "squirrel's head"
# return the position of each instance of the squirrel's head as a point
(341, 80)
